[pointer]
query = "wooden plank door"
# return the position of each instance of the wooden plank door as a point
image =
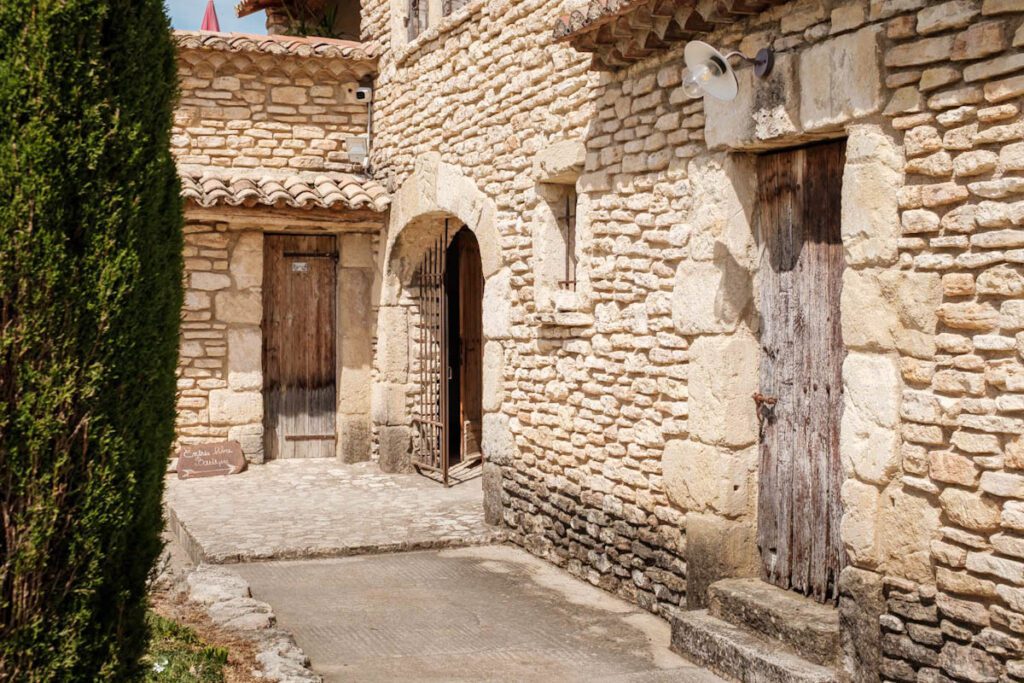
(471, 336)
(799, 505)
(299, 331)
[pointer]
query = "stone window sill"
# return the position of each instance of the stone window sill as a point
(563, 319)
(410, 52)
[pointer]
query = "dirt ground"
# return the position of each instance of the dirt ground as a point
(169, 601)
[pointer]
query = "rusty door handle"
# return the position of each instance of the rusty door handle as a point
(765, 407)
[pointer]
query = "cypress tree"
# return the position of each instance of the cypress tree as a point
(90, 294)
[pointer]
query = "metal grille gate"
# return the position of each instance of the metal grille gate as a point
(430, 414)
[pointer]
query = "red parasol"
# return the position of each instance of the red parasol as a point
(210, 22)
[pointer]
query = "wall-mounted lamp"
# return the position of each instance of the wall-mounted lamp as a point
(708, 72)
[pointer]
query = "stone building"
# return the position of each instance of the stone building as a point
(268, 135)
(717, 355)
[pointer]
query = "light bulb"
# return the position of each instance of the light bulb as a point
(695, 80)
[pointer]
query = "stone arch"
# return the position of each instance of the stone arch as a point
(434, 192)
(438, 189)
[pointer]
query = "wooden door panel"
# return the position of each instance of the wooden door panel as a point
(799, 506)
(299, 368)
(471, 289)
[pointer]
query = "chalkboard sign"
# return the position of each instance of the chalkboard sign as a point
(210, 460)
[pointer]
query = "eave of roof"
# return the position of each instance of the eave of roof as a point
(330, 191)
(623, 32)
(327, 48)
(247, 7)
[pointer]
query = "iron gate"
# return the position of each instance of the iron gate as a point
(430, 414)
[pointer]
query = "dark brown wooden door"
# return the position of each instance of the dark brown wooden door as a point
(469, 359)
(299, 332)
(799, 506)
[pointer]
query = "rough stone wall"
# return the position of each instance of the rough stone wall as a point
(634, 460)
(272, 111)
(357, 282)
(486, 91)
(220, 371)
(956, 73)
(266, 114)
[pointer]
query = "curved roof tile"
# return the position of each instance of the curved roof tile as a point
(328, 48)
(334, 191)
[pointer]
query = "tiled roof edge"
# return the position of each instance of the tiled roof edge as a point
(327, 48)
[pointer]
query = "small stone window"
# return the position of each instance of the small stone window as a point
(418, 17)
(422, 14)
(567, 227)
(452, 6)
(557, 244)
(560, 229)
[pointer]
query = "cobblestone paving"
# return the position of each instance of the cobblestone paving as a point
(491, 613)
(319, 508)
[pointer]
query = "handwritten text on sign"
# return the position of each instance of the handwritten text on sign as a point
(210, 460)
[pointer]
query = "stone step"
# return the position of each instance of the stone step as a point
(807, 627)
(734, 652)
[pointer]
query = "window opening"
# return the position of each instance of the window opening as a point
(567, 224)
(418, 17)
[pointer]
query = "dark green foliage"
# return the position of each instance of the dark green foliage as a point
(310, 19)
(90, 293)
(177, 654)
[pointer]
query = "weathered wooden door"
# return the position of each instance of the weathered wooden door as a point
(466, 289)
(299, 332)
(800, 402)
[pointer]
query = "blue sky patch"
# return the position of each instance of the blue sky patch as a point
(188, 16)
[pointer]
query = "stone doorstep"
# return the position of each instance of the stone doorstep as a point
(734, 652)
(199, 555)
(807, 627)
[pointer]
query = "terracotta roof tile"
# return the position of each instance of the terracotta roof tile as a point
(328, 48)
(333, 191)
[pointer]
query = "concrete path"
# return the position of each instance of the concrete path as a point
(490, 613)
(319, 508)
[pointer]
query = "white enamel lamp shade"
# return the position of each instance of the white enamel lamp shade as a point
(711, 70)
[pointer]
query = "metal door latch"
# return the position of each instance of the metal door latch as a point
(765, 410)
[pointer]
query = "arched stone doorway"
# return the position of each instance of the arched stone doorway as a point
(434, 195)
(445, 319)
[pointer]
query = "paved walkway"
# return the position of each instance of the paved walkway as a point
(490, 613)
(319, 508)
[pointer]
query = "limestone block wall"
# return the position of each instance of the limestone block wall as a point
(633, 436)
(272, 110)
(220, 371)
(579, 410)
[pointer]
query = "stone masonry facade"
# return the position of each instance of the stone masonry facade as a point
(619, 433)
(619, 424)
(260, 137)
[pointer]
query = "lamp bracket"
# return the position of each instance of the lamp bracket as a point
(763, 61)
